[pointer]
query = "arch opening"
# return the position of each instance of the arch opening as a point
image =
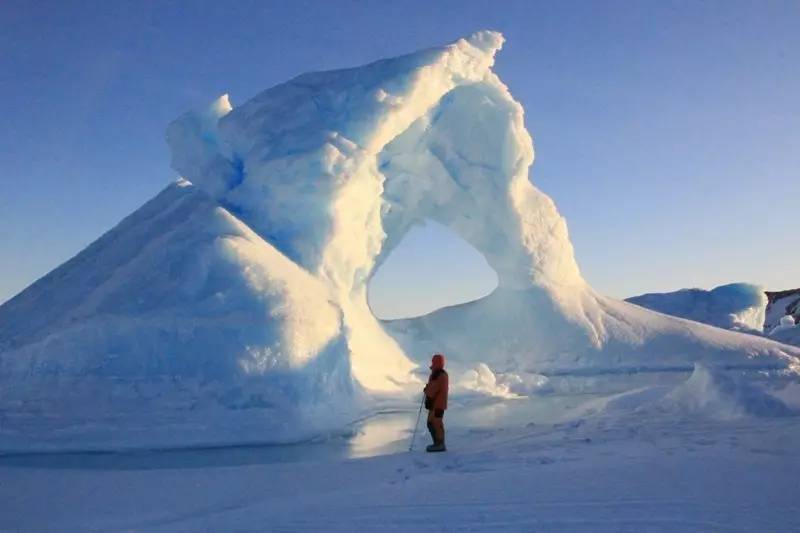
(431, 267)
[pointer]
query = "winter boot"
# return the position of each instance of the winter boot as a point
(437, 447)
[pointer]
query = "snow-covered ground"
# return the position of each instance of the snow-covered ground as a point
(556, 462)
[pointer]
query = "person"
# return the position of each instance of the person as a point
(436, 402)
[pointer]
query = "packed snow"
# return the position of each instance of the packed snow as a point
(232, 308)
(668, 455)
(724, 395)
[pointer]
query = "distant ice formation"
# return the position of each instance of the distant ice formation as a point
(735, 306)
(738, 306)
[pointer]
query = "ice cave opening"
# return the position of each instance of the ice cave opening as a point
(432, 267)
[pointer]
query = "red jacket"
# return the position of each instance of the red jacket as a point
(436, 390)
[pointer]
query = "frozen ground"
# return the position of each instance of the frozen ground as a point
(565, 462)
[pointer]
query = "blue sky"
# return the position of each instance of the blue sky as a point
(668, 133)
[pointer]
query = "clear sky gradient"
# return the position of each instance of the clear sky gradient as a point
(668, 133)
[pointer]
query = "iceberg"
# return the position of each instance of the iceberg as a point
(233, 306)
(740, 306)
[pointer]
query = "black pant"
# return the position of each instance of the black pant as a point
(436, 425)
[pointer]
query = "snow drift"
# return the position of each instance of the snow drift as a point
(719, 395)
(241, 290)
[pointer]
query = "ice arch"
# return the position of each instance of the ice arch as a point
(330, 164)
(465, 165)
(332, 168)
(430, 269)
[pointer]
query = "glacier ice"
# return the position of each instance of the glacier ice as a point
(233, 306)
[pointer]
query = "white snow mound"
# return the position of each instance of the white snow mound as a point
(786, 331)
(481, 380)
(721, 394)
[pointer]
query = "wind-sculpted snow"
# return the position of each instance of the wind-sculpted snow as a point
(718, 395)
(233, 306)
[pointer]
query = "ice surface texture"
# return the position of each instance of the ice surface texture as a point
(239, 293)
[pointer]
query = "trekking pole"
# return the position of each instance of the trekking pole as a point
(419, 413)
